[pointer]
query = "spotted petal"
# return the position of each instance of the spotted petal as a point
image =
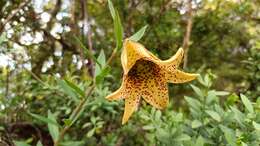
(155, 92)
(146, 76)
(131, 104)
(133, 51)
(174, 61)
(179, 76)
(119, 93)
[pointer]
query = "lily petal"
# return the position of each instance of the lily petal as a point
(133, 51)
(155, 92)
(131, 104)
(180, 76)
(118, 94)
(175, 60)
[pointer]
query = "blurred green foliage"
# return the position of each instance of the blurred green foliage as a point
(220, 108)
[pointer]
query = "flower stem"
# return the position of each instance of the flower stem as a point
(76, 113)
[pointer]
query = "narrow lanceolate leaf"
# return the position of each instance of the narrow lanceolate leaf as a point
(196, 124)
(21, 143)
(229, 135)
(67, 90)
(111, 9)
(72, 143)
(139, 34)
(118, 31)
(247, 103)
(197, 90)
(43, 119)
(76, 88)
(214, 115)
(256, 125)
(53, 129)
(102, 60)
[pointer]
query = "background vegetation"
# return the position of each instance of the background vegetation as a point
(53, 51)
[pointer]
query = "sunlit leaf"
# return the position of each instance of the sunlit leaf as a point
(67, 90)
(247, 103)
(229, 135)
(21, 143)
(214, 115)
(111, 9)
(196, 124)
(72, 143)
(118, 31)
(197, 90)
(139, 34)
(53, 129)
(256, 125)
(75, 87)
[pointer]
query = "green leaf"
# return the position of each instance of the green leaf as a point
(39, 143)
(67, 90)
(232, 99)
(162, 135)
(197, 90)
(72, 143)
(20, 143)
(200, 141)
(201, 81)
(194, 103)
(244, 144)
(76, 88)
(212, 96)
(256, 125)
(102, 75)
(91, 132)
(239, 116)
(111, 9)
(53, 129)
(67, 122)
(222, 93)
(183, 137)
(118, 31)
(139, 34)
(148, 127)
(196, 124)
(158, 115)
(102, 60)
(214, 115)
(247, 103)
(229, 135)
(43, 119)
(207, 80)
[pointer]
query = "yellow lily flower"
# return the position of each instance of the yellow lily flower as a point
(147, 76)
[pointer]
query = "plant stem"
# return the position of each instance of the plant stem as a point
(76, 113)
(111, 56)
(186, 40)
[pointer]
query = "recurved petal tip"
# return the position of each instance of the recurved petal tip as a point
(115, 95)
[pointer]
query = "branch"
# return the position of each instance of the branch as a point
(54, 12)
(7, 82)
(86, 30)
(186, 40)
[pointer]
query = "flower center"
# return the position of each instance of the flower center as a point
(143, 69)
